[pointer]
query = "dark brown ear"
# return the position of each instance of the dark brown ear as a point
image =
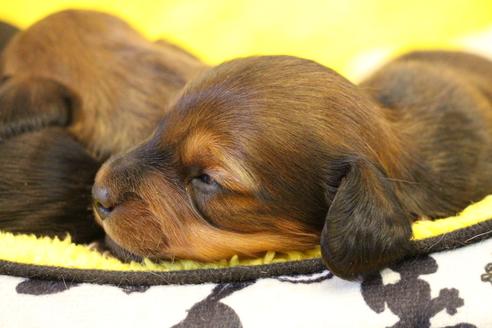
(366, 227)
(31, 103)
(7, 31)
(45, 186)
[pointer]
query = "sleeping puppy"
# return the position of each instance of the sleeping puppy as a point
(76, 76)
(114, 83)
(281, 153)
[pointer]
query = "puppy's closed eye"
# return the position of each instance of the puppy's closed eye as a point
(204, 183)
(202, 188)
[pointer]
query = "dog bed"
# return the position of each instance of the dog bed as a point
(443, 285)
(50, 282)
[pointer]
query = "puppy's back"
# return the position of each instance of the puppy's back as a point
(441, 103)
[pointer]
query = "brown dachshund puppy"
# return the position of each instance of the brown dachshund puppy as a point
(114, 83)
(281, 153)
(77, 74)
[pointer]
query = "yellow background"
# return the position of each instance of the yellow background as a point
(331, 32)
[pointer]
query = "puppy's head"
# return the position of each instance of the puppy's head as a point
(266, 153)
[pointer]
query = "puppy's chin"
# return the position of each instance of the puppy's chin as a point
(133, 232)
(119, 252)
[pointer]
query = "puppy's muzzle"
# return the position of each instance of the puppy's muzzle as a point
(116, 184)
(103, 203)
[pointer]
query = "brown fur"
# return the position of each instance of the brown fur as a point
(274, 153)
(118, 84)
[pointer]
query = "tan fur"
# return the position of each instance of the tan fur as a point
(158, 226)
(205, 149)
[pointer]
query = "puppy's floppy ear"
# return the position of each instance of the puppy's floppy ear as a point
(366, 227)
(31, 103)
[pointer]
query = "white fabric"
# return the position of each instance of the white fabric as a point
(298, 301)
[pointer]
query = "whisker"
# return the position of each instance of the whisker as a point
(402, 180)
(479, 235)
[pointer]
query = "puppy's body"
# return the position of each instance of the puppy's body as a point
(117, 84)
(279, 153)
(440, 105)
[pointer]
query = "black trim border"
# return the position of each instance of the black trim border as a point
(150, 278)
(455, 239)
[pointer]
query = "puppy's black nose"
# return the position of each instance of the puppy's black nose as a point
(102, 201)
